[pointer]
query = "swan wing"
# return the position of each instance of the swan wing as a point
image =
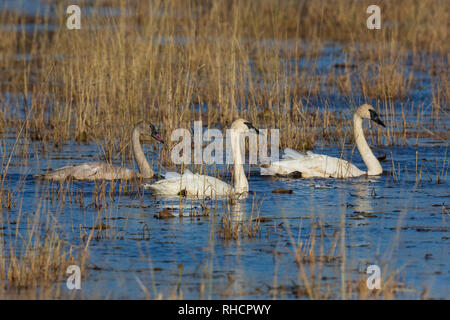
(102, 171)
(336, 168)
(284, 167)
(79, 172)
(190, 184)
(91, 171)
(292, 161)
(314, 165)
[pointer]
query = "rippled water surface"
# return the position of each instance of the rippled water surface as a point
(398, 221)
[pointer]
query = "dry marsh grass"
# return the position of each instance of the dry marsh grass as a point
(36, 257)
(168, 61)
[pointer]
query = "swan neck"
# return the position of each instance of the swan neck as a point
(139, 156)
(372, 163)
(240, 180)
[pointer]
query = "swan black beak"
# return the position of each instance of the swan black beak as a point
(250, 126)
(157, 137)
(375, 118)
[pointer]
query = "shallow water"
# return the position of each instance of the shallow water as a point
(400, 224)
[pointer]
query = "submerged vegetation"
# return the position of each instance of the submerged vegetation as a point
(300, 66)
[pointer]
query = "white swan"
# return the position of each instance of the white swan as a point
(317, 165)
(195, 185)
(106, 171)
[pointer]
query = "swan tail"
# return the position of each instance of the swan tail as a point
(268, 170)
(172, 175)
(156, 188)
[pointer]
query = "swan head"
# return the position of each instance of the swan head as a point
(243, 126)
(148, 129)
(366, 111)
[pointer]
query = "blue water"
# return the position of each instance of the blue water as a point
(393, 223)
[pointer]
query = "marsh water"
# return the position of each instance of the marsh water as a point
(400, 224)
(398, 221)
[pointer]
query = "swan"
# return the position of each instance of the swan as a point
(105, 171)
(317, 165)
(194, 185)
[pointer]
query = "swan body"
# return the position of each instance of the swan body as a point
(317, 165)
(191, 185)
(196, 185)
(91, 171)
(106, 171)
(312, 165)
